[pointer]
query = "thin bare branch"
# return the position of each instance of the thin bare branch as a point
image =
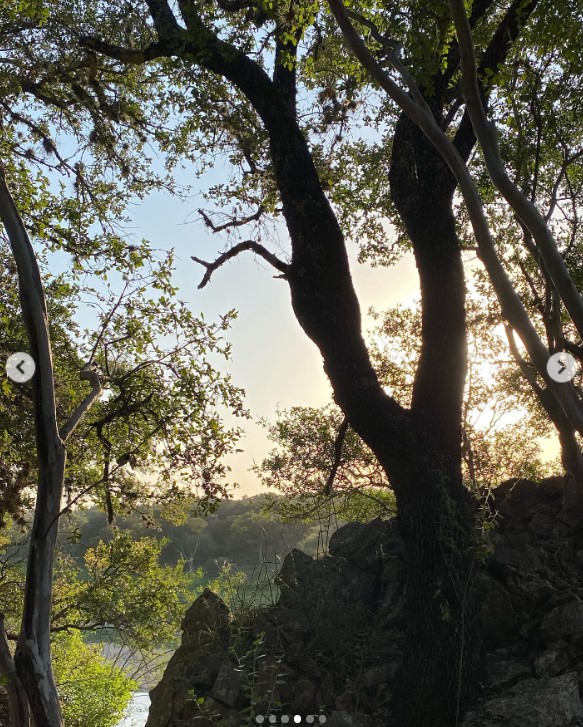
(337, 456)
(233, 222)
(255, 247)
(107, 321)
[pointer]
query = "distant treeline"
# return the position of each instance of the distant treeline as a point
(238, 532)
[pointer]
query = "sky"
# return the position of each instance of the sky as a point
(272, 358)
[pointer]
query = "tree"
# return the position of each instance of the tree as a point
(239, 67)
(562, 403)
(321, 467)
(420, 448)
(161, 411)
(93, 692)
(144, 391)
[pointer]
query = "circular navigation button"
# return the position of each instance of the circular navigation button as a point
(20, 367)
(561, 367)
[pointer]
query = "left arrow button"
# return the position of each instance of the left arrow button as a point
(20, 367)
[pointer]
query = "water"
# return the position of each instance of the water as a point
(136, 712)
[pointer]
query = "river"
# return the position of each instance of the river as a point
(136, 712)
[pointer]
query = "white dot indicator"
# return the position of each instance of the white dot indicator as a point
(272, 719)
(20, 367)
(259, 719)
(561, 367)
(297, 718)
(284, 719)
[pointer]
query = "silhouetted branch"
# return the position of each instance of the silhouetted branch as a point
(337, 456)
(119, 53)
(233, 252)
(233, 222)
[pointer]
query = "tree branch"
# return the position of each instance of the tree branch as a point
(233, 252)
(512, 307)
(337, 456)
(495, 53)
(88, 373)
(231, 223)
(487, 136)
(33, 652)
(164, 19)
(125, 55)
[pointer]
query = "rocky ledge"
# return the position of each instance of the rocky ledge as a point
(330, 647)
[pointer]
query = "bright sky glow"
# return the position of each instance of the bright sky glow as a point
(272, 358)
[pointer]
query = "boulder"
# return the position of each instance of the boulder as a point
(563, 622)
(532, 703)
(332, 645)
(195, 666)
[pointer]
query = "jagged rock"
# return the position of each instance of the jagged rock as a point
(343, 719)
(366, 545)
(503, 671)
(194, 667)
(498, 619)
(228, 685)
(553, 661)
(563, 622)
(332, 644)
(532, 703)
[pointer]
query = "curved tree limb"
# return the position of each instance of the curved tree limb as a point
(233, 252)
(487, 136)
(33, 651)
(418, 110)
(88, 373)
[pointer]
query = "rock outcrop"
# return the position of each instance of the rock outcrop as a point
(330, 647)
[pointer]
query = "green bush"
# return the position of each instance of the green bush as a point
(93, 692)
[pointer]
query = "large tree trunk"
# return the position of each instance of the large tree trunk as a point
(443, 664)
(420, 449)
(442, 661)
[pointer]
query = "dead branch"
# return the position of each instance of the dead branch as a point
(233, 222)
(255, 247)
(339, 441)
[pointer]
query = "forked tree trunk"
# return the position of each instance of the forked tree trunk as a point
(443, 659)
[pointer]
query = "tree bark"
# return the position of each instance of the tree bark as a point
(443, 658)
(33, 650)
(443, 661)
(18, 709)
